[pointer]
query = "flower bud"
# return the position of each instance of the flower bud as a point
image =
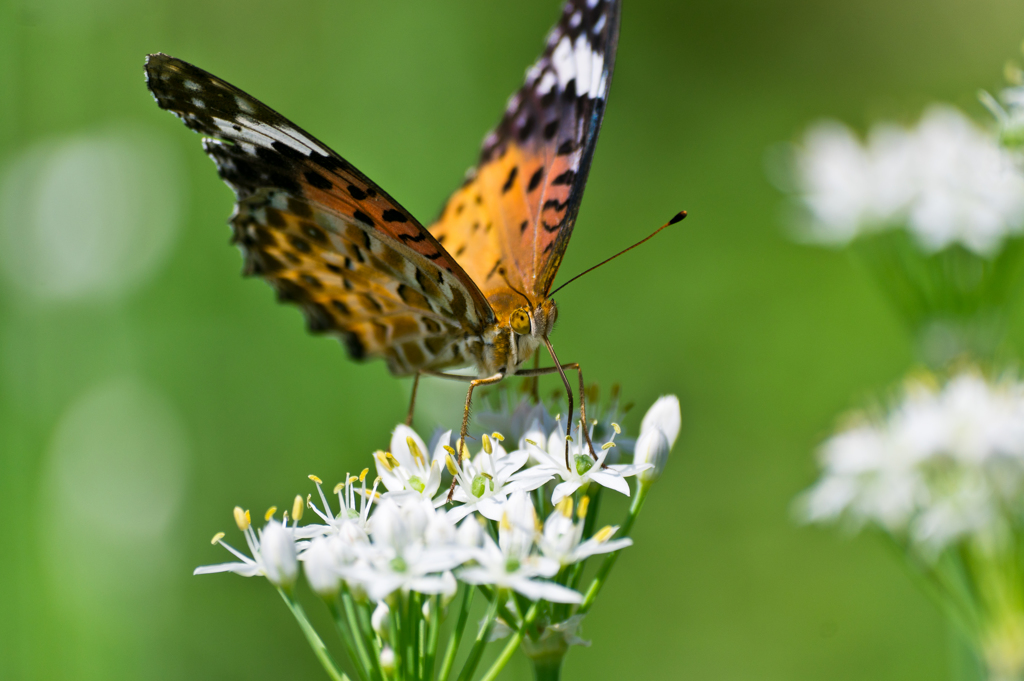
(277, 549)
(658, 432)
(387, 660)
(379, 620)
(320, 563)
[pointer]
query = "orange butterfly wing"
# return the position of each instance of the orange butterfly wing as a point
(323, 234)
(517, 210)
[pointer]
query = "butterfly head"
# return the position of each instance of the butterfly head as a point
(534, 322)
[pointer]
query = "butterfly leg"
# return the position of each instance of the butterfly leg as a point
(560, 369)
(473, 383)
(412, 400)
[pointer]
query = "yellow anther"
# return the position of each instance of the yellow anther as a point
(498, 436)
(417, 455)
(565, 507)
(604, 534)
(362, 476)
(297, 507)
(351, 479)
(450, 450)
(242, 519)
(531, 442)
(269, 514)
(505, 524)
(376, 480)
(370, 494)
(465, 451)
(607, 445)
(449, 463)
(615, 427)
(217, 537)
(392, 460)
(340, 486)
(581, 510)
(316, 480)
(382, 457)
(487, 444)
(309, 500)
(569, 438)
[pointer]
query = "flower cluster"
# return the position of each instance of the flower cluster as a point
(518, 528)
(946, 181)
(944, 465)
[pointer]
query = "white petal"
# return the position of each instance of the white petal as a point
(664, 415)
(611, 481)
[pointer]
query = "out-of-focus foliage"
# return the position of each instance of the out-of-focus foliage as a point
(145, 388)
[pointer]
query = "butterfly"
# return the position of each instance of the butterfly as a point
(473, 289)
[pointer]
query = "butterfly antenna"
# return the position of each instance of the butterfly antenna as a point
(504, 275)
(678, 217)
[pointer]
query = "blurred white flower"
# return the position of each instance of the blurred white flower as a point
(946, 181)
(273, 553)
(511, 563)
(403, 553)
(945, 463)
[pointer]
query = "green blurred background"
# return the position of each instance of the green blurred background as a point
(147, 388)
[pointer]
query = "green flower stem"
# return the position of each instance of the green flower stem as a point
(319, 649)
(609, 561)
(362, 655)
(547, 670)
(433, 634)
(512, 645)
(456, 637)
(477, 651)
(511, 619)
(395, 605)
(346, 633)
(370, 640)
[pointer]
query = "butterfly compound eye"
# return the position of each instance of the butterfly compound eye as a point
(519, 320)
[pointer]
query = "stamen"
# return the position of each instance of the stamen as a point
(531, 442)
(297, 508)
(382, 457)
(607, 445)
(351, 479)
(505, 524)
(362, 476)
(217, 537)
(604, 534)
(581, 510)
(269, 514)
(417, 455)
(337, 488)
(449, 463)
(565, 507)
(242, 519)
(316, 479)
(487, 444)
(498, 436)
(615, 427)
(392, 460)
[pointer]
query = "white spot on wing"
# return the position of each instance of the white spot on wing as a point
(198, 103)
(562, 59)
(575, 19)
(243, 105)
(546, 83)
(599, 26)
(583, 63)
(305, 140)
(191, 85)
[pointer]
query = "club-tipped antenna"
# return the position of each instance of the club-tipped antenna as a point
(678, 217)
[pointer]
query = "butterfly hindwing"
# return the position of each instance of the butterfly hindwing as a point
(518, 208)
(322, 233)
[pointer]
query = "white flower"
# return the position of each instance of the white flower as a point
(561, 538)
(401, 557)
(511, 564)
(405, 470)
(582, 469)
(387, 660)
(658, 432)
(947, 181)
(944, 464)
(348, 513)
(273, 552)
(379, 620)
(484, 482)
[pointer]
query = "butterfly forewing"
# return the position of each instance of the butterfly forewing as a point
(514, 216)
(323, 234)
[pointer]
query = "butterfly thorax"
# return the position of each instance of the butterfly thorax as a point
(504, 348)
